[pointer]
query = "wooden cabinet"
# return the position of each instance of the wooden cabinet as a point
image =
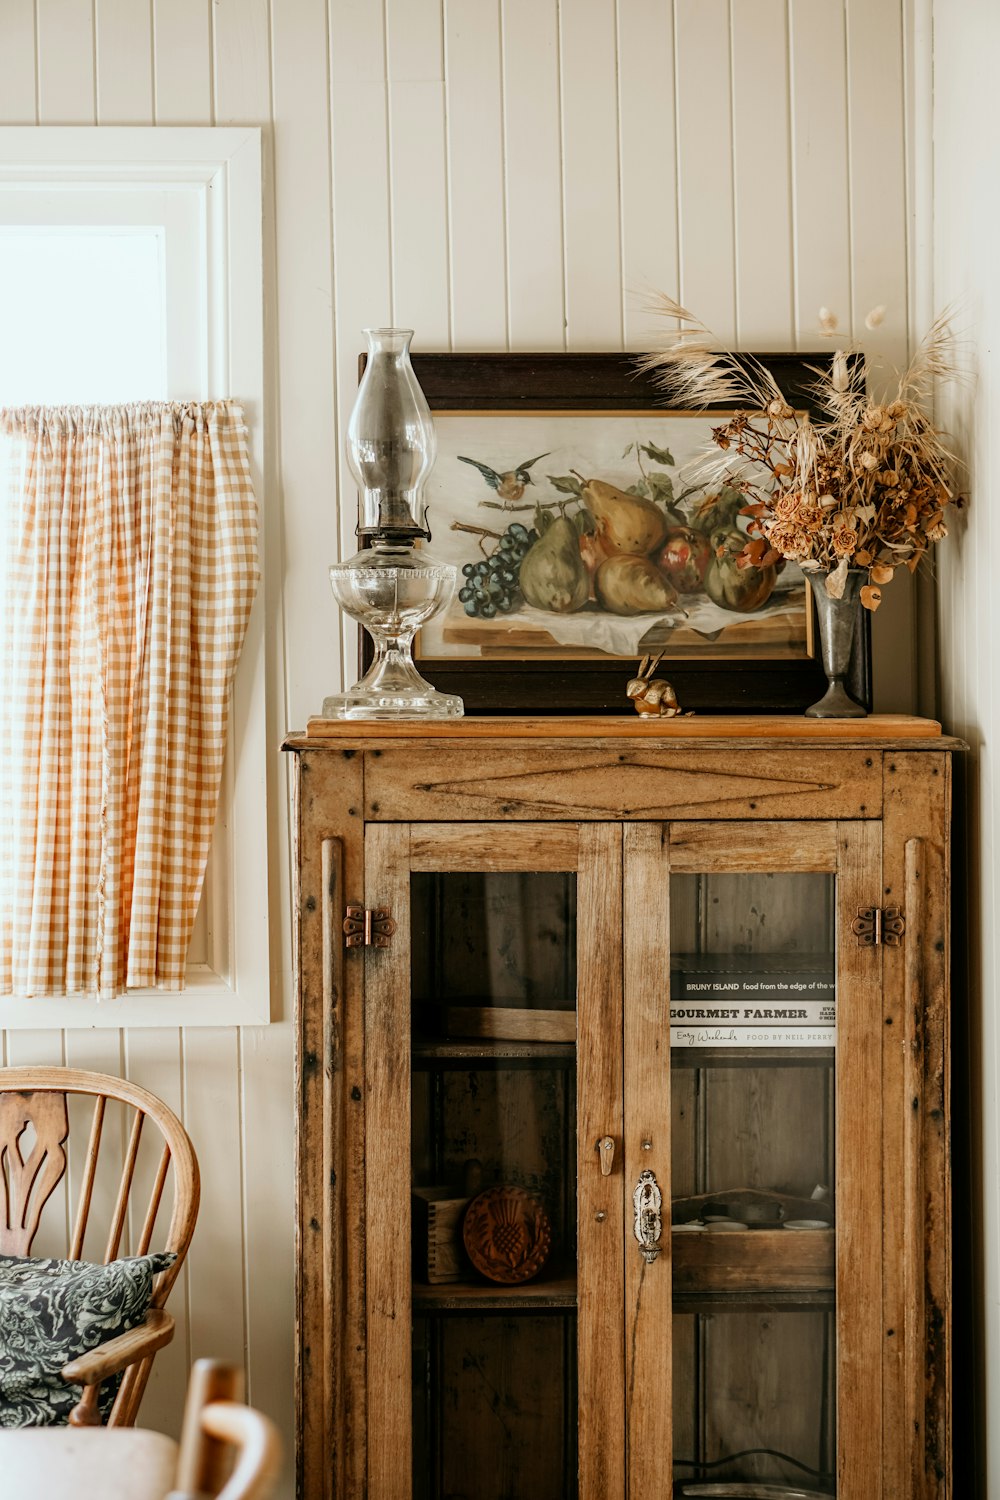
(674, 998)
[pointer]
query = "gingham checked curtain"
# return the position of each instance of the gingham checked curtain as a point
(128, 565)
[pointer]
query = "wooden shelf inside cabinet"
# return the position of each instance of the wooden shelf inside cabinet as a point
(752, 1302)
(754, 1261)
(482, 1021)
(555, 1293)
(428, 1052)
(752, 1057)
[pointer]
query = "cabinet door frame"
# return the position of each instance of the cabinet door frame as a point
(852, 851)
(594, 852)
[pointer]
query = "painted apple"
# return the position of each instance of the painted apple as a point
(684, 558)
(732, 587)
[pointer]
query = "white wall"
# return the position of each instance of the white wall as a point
(966, 152)
(496, 174)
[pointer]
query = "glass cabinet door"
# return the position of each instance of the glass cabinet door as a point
(494, 1182)
(771, 1179)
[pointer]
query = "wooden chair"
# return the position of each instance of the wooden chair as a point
(215, 1420)
(37, 1097)
(65, 1463)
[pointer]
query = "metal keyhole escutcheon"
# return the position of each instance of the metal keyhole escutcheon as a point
(647, 1202)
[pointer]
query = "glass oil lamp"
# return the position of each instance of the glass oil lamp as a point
(393, 585)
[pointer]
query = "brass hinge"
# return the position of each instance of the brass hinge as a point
(368, 928)
(876, 924)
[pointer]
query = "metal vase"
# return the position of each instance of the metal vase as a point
(838, 621)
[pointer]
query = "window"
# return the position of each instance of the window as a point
(82, 313)
(130, 270)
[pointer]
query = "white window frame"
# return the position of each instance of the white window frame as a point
(221, 167)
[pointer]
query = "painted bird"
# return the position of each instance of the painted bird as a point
(510, 486)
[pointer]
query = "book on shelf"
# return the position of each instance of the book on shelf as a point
(710, 1035)
(752, 1000)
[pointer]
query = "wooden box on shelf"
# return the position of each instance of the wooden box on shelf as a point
(542, 1046)
(438, 1255)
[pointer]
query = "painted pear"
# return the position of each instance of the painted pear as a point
(594, 550)
(553, 575)
(628, 585)
(628, 523)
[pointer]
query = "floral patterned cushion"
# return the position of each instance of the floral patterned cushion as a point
(52, 1311)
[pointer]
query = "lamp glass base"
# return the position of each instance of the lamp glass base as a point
(392, 688)
(392, 589)
(429, 704)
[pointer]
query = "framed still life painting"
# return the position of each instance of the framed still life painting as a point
(568, 498)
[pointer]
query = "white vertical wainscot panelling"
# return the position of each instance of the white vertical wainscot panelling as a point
(65, 62)
(849, 184)
(269, 1210)
(154, 1059)
(877, 175)
(591, 183)
(918, 107)
(103, 1052)
(536, 290)
(705, 163)
(17, 63)
(36, 1049)
(966, 219)
(212, 1097)
(96, 1052)
(820, 166)
(242, 57)
(878, 256)
(418, 171)
(765, 278)
(242, 96)
(362, 266)
(124, 57)
(182, 62)
(647, 152)
(506, 173)
(475, 175)
(305, 351)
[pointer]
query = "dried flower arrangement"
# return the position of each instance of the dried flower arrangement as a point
(865, 486)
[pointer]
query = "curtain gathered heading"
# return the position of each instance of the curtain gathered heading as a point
(128, 565)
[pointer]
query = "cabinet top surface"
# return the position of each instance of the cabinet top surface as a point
(889, 731)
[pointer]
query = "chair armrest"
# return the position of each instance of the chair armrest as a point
(257, 1444)
(118, 1353)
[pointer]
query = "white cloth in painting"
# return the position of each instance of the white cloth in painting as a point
(622, 635)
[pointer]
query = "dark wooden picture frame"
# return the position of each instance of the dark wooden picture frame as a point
(609, 383)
